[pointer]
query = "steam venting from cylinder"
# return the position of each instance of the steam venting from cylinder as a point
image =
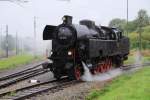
(88, 76)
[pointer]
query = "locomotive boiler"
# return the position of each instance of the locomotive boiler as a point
(99, 47)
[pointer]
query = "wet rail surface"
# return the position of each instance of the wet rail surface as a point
(11, 79)
(26, 92)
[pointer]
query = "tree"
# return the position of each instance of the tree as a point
(11, 43)
(119, 23)
(132, 26)
(142, 19)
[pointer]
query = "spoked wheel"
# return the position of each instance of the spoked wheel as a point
(77, 73)
(106, 65)
(74, 73)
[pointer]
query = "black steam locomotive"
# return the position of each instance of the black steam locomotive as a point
(99, 47)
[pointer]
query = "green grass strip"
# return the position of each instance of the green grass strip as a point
(134, 86)
(15, 61)
(132, 60)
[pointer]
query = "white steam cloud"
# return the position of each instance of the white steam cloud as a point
(138, 57)
(99, 77)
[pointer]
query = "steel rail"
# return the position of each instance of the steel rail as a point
(24, 88)
(11, 82)
(32, 90)
(126, 67)
(20, 72)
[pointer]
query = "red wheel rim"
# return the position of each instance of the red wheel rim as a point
(77, 73)
(108, 67)
(102, 68)
(105, 66)
(99, 67)
(108, 64)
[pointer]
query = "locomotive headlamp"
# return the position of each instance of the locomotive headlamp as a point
(51, 52)
(69, 53)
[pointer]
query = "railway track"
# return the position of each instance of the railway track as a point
(128, 67)
(51, 86)
(21, 75)
(26, 92)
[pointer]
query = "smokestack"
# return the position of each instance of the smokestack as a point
(67, 19)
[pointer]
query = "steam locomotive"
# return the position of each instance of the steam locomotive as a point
(99, 47)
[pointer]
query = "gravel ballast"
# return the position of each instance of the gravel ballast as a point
(75, 92)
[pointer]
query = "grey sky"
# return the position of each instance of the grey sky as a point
(50, 12)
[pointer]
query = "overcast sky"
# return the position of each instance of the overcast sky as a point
(20, 18)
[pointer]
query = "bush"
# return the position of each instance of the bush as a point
(134, 38)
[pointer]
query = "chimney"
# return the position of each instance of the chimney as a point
(67, 19)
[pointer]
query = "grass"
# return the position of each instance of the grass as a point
(134, 86)
(132, 60)
(15, 61)
(1, 52)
